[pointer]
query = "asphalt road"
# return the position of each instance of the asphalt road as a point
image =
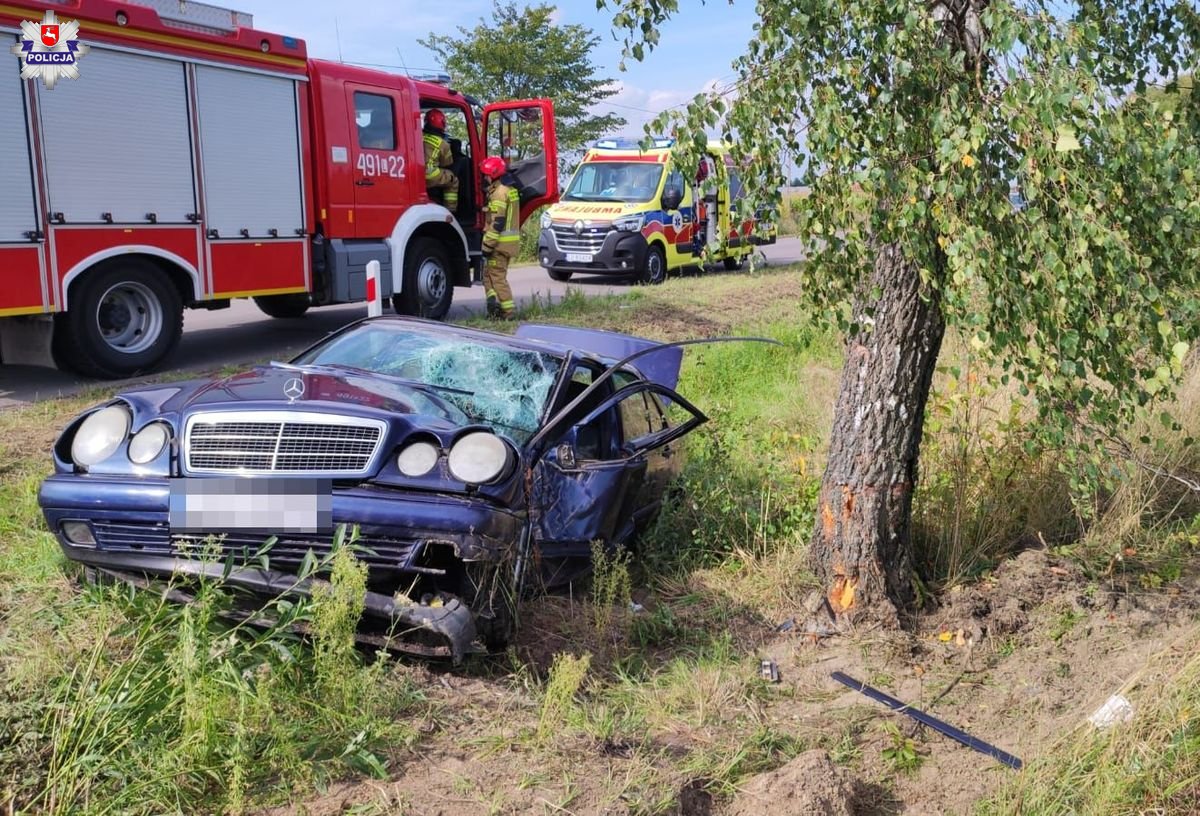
(242, 334)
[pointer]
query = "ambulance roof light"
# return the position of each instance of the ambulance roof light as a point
(622, 143)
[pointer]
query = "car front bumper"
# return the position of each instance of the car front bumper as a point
(129, 520)
(621, 253)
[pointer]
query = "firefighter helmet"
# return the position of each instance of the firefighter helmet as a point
(435, 119)
(492, 167)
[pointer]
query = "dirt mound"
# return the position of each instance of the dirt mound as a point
(810, 783)
(1000, 605)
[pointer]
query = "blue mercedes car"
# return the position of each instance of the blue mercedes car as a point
(473, 465)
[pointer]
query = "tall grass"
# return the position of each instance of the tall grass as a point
(982, 494)
(168, 709)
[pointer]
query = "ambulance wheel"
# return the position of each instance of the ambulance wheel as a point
(123, 318)
(560, 275)
(654, 270)
(285, 306)
(734, 264)
(427, 288)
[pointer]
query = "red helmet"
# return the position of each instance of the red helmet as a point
(435, 119)
(492, 167)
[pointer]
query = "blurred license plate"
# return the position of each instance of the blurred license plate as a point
(269, 506)
(579, 257)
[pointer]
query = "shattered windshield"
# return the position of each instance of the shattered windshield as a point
(632, 182)
(491, 384)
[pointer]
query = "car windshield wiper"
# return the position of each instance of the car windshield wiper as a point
(574, 197)
(416, 384)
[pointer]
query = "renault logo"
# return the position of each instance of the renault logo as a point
(293, 389)
(579, 228)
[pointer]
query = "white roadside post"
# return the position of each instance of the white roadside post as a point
(374, 301)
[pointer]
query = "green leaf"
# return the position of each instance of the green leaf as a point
(1066, 140)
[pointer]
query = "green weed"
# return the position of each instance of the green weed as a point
(566, 678)
(610, 591)
(901, 755)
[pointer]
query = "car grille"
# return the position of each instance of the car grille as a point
(378, 552)
(281, 442)
(590, 240)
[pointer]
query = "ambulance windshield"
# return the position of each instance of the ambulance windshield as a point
(631, 182)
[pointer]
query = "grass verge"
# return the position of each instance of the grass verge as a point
(116, 701)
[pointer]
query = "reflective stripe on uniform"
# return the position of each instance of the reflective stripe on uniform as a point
(512, 219)
(432, 160)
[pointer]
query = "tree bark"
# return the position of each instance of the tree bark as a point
(861, 547)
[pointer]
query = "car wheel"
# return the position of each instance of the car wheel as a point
(427, 290)
(560, 275)
(734, 264)
(654, 270)
(284, 306)
(124, 318)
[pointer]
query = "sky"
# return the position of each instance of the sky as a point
(695, 50)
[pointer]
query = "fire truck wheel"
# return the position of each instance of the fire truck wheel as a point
(291, 305)
(427, 289)
(654, 270)
(123, 319)
(560, 275)
(734, 264)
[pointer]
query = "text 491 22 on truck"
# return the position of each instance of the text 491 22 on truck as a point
(196, 160)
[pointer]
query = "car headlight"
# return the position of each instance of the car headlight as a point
(100, 435)
(630, 223)
(546, 220)
(417, 459)
(148, 443)
(478, 458)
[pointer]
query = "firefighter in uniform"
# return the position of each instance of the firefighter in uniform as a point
(438, 158)
(502, 238)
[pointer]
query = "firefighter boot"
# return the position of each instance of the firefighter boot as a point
(493, 305)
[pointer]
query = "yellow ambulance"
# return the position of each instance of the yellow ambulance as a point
(634, 213)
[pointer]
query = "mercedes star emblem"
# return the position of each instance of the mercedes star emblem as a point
(293, 389)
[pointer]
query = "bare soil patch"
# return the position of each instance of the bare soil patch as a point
(1019, 659)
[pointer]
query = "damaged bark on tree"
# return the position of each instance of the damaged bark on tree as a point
(860, 548)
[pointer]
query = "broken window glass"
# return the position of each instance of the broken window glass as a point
(491, 384)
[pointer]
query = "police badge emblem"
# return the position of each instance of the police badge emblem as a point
(50, 50)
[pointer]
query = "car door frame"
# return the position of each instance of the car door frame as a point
(630, 459)
(530, 201)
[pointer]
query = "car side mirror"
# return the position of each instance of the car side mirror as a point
(564, 456)
(671, 198)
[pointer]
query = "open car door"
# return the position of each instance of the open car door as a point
(522, 133)
(604, 476)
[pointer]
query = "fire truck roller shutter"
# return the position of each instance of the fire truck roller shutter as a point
(117, 141)
(250, 146)
(18, 214)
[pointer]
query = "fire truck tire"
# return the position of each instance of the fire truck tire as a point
(734, 264)
(124, 318)
(284, 306)
(654, 268)
(427, 290)
(560, 275)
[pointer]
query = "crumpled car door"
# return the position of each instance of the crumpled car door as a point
(577, 499)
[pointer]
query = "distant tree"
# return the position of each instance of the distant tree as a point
(521, 53)
(916, 117)
(796, 182)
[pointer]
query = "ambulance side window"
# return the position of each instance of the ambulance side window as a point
(675, 180)
(735, 185)
(376, 121)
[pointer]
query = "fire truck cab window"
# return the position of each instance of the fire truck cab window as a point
(376, 121)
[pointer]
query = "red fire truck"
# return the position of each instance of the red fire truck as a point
(195, 160)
